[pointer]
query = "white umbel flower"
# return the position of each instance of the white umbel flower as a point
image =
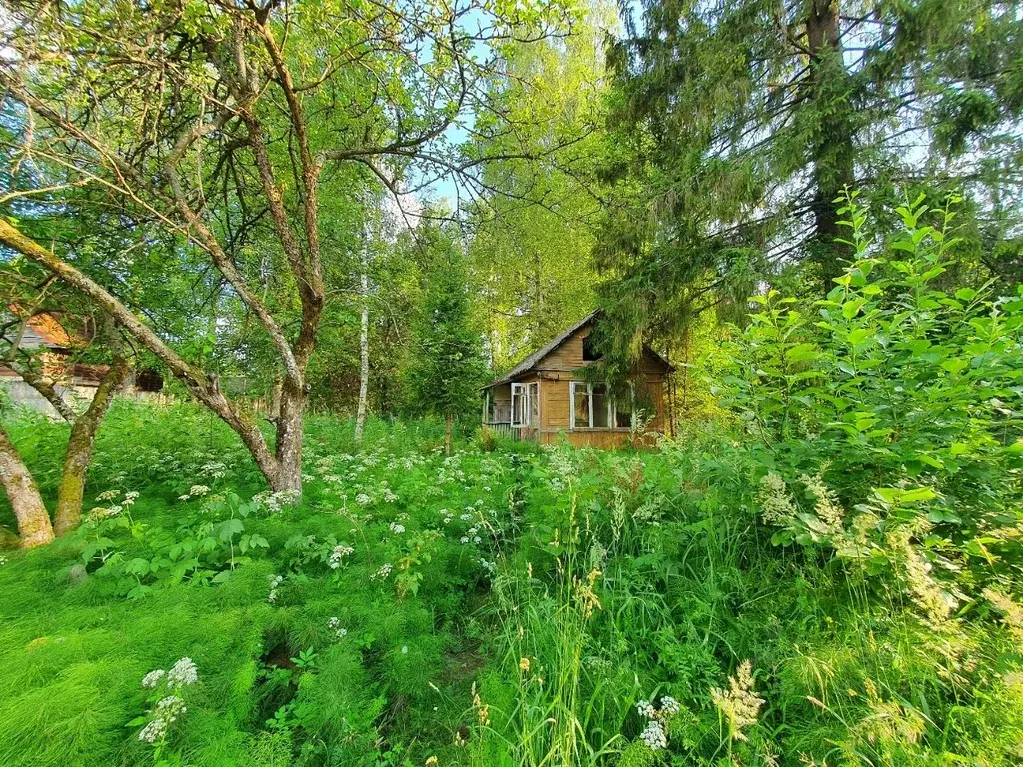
(653, 736)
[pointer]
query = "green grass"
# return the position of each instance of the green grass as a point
(600, 579)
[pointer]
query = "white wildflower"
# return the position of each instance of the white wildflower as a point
(776, 506)
(275, 502)
(646, 709)
(653, 736)
(169, 708)
(335, 625)
(739, 703)
(340, 551)
(182, 673)
(275, 581)
(153, 678)
(214, 469)
(363, 500)
(153, 731)
(397, 529)
(670, 706)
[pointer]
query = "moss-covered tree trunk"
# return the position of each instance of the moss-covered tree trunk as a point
(79, 449)
(34, 526)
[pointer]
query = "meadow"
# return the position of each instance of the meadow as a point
(504, 605)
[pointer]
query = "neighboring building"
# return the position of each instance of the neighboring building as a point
(45, 336)
(44, 332)
(546, 395)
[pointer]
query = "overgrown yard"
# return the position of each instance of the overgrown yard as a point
(502, 606)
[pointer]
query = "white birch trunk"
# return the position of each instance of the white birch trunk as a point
(360, 416)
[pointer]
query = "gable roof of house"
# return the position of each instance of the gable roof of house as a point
(534, 359)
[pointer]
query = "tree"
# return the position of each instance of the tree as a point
(734, 128)
(446, 367)
(211, 119)
(26, 301)
(534, 225)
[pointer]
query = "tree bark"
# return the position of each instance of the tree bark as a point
(205, 388)
(34, 526)
(360, 415)
(832, 150)
(48, 391)
(447, 434)
(68, 511)
(288, 474)
(275, 401)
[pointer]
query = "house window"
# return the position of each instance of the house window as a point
(520, 405)
(525, 404)
(600, 406)
(592, 408)
(589, 349)
(623, 418)
(580, 405)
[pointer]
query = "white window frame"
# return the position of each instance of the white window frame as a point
(571, 408)
(612, 410)
(520, 391)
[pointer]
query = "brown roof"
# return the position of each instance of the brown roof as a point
(45, 330)
(534, 359)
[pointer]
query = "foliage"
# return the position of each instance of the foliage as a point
(533, 224)
(897, 403)
(446, 369)
(733, 128)
(509, 607)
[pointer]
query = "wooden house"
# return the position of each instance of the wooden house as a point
(45, 336)
(56, 341)
(546, 396)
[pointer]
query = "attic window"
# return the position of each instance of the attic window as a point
(589, 349)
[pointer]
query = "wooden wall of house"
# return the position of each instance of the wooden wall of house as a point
(569, 357)
(555, 410)
(558, 369)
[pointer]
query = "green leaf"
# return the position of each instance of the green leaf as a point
(802, 353)
(897, 496)
(858, 336)
(955, 365)
(852, 307)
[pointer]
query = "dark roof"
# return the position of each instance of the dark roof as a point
(533, 359)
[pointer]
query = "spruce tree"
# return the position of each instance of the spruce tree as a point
(446, 367)
(735, 126)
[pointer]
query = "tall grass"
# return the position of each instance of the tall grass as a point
(604, 588)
